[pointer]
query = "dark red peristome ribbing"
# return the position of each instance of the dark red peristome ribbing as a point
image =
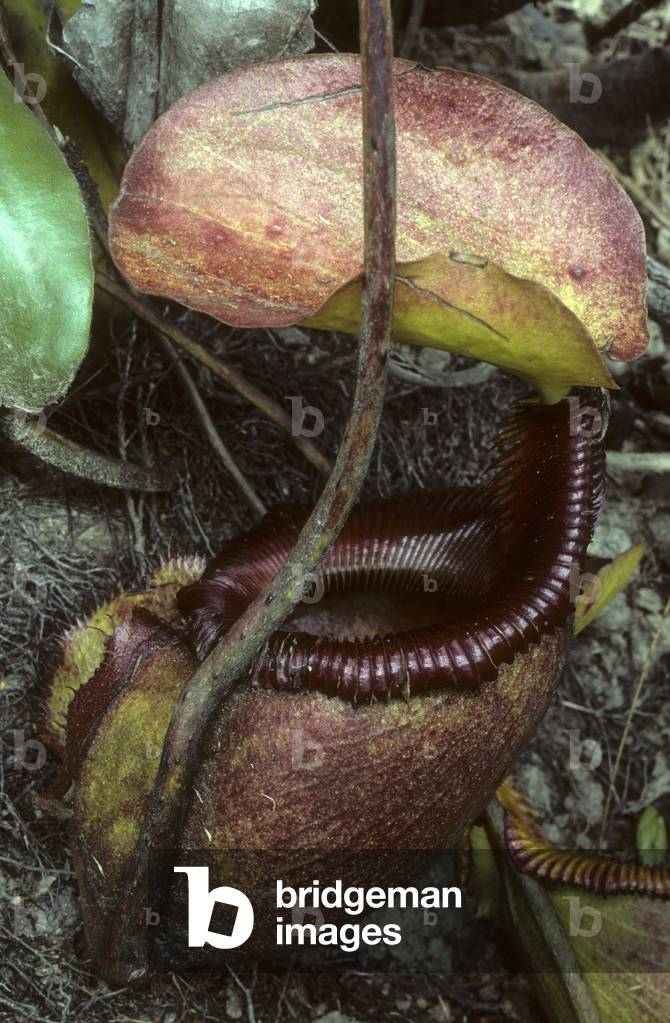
(515, 544)
(595, 871)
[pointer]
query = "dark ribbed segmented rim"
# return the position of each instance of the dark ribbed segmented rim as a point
(513, 547)
(594, 871)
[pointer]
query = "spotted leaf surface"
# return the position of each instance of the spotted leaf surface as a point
(245, 201)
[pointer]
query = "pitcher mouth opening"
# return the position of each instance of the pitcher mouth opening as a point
(357, 616)
(429, 589)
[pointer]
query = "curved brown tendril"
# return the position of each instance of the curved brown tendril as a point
(498, 566)
(597, 872)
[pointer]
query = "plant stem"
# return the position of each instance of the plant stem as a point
(224, 667)
(31, 433)
(220, 369)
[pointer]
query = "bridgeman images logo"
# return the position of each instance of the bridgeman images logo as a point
(308, 905)
(201, 905)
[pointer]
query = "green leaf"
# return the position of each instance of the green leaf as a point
(651, 838)
(46, 276)
(605, 585)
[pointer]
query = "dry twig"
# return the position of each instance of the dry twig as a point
(220, 369)
(210, 429)
(638, 461)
